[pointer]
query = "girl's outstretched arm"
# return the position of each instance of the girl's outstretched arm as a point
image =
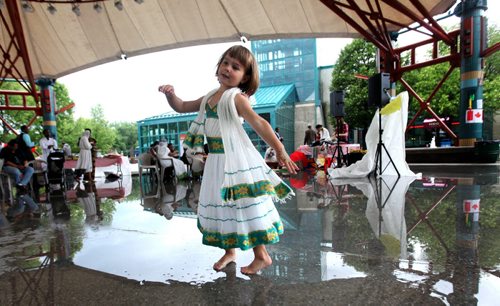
(176, 103)
(264, 129)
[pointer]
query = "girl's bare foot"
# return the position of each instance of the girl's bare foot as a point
(259, 263)
(229, 257)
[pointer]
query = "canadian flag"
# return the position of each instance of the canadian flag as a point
(474, 116)
(471, 206)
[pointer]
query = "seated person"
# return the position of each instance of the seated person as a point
(173, 152)
(15, 165)
(163, 155)
(322, 134)
(270, 156)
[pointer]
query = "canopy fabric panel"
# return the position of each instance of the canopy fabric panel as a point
(62, 43)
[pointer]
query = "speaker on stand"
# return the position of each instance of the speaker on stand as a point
(337, 110)
(378, 95)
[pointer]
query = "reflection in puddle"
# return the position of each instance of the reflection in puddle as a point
(437, 236)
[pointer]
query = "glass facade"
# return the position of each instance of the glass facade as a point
(284, 61)
(169, 129)
(276, 104)
(285, 120)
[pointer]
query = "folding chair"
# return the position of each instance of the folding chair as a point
(165, 161)
(146, 163)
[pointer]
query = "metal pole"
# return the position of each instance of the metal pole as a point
(471, 71)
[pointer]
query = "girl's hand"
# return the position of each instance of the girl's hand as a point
(167, 90)
(285, 161)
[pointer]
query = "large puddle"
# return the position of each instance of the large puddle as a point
(434, 239)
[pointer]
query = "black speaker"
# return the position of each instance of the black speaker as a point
(337, 103)
(378, 85)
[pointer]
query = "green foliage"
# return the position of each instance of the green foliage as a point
(424, 80)
(356, 58)
(120, 136)
(126, 136)
(18, 118)
(101, 129)
(66, 132)
(359, 58)
(491, 86)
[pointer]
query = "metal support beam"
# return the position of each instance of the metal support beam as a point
(19, 41)
(425, 105)
(490, 50)
(332, 5)
(437, 32)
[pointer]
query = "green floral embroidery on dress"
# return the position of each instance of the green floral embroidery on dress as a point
(215, 145)
(192, 141)
(244, 242)
(282, 190)
(254, 190)
(211, 112)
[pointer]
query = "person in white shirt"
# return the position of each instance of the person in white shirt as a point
(48, 144)
(270, 155)
(323, 133)
(66, 149)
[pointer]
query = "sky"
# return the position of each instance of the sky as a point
(128, 89)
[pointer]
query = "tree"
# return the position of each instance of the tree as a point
(65, 120)
(18, 118)
(424, 80)
(359, 58)
(126, 136)
(356, 58)
(101, 129)
(66, 131)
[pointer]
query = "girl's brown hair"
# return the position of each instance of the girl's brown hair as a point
(246, 58)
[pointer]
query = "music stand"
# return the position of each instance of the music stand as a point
(380, 145)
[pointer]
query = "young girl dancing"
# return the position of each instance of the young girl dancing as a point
(236, 208)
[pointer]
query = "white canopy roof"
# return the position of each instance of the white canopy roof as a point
(62, 43)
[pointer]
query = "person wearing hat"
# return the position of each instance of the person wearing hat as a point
(310, 135)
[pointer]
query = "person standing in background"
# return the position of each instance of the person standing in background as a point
(342, 130)
(93, 152)
(84, 163)
(310, 135)
(48, 144)
(25, 145)
(277, 133)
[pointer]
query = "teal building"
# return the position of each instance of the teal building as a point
(276, 104)
(284, 61)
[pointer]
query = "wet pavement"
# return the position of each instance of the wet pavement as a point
(429, 241)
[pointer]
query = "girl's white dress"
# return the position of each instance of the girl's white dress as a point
(236, 208)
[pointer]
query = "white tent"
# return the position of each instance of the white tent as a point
(61, 42)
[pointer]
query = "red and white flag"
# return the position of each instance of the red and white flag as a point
(471, 206)
(474, 116)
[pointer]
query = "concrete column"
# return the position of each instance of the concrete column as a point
(48, 101)
(471, 71)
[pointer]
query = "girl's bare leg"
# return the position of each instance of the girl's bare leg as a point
(261, 261)
(228, 257)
